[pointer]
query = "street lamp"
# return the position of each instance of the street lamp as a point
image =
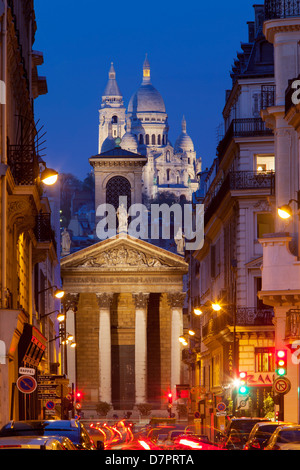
(49, 176)
(285, 212)
(198, 311)
(58, 293)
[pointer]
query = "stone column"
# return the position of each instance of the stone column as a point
(104, 302)
(176, 301)
(141, 304)
(70, 304)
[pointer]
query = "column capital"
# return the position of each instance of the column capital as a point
(176, 299)
(70, 301)
(104, 299)
(141, 300)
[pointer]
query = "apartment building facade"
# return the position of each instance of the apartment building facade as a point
(238, 195)
(28, 243)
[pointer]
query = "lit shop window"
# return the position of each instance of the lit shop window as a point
(264, 359)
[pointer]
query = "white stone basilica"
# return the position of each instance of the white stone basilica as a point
(143, 129)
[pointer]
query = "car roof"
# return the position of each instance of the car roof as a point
(27, 440)
(41, 423)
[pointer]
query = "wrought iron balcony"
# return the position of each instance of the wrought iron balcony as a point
(292, 326)
(237, 180)
(23, 164)
(43, 230)
(245, 316)
(276, 9)
(246, 127)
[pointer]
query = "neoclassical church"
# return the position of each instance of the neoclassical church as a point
(143, 129)
(125, 296)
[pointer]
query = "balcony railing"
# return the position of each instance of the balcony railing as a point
(43, 230)
(245, 316)
(23, 164)
(246, 127)
(281, 9)
(292, 327)
(237, 180)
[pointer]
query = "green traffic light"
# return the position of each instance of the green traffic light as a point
(281, 371)
(243, 390)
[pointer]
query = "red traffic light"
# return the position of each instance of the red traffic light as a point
(78, 396)
(170, 397)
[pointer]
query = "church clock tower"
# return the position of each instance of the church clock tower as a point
(111, 113)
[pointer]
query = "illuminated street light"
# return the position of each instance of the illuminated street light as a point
(58, 293)
(216, 307)
(61, 317)
(198, 311)
(49, 176)
(285, 212)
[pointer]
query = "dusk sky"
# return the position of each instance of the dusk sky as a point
(191, 47)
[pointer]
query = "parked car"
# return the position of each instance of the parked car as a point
(72, 429)
(237, 432)
(31, 443)
(260, 435)
(286, 437)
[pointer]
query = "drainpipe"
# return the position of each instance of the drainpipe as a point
(3, 156)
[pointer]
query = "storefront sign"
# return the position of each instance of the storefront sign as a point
(260, 379)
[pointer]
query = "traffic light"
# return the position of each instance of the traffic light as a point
(78, 398)
(170, 398)
(243, 389)
(281, 362)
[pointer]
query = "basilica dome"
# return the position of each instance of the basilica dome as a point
(184, 143)
(146, 99)
(129, 142)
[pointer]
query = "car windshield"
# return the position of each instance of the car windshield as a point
(265, 431)
(242, 426)
(292, 435)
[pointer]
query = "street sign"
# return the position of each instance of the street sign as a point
(26, 384)
(282, 385)
(48, 396)
(221, 406)
(49, 378)
(26, 371)
(50, 405)
(47, 386)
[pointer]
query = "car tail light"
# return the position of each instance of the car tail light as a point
(191, 444)
(12, 446)
(145, 445)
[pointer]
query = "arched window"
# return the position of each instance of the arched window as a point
(168, 175)
(159, 140)
(147, 139)
(153, 139)
(168, 156)
(116, 187)
(141, 139)
(114, 119)
(163, 140)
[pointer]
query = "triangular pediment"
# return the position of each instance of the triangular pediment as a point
(254, 264)
(123, 252)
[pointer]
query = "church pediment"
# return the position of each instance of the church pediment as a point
(123, 253)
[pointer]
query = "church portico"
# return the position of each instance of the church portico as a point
(128, 319)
